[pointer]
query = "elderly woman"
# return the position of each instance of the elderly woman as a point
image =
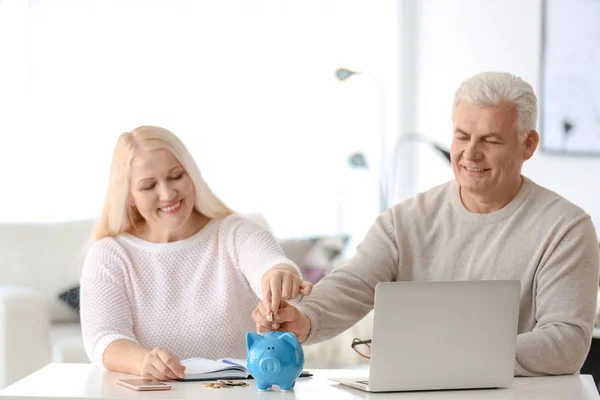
(172, 272)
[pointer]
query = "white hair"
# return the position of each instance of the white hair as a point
(494, 88)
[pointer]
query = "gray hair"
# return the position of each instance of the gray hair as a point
(493, 88)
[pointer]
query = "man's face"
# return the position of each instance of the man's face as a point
(161, 190)
(486, 153)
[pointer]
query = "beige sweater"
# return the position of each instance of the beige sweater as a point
(539, 238)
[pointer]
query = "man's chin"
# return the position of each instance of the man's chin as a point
(473, 186)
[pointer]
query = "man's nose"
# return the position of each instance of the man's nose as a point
(472, 151)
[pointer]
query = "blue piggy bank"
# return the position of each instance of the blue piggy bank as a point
(274, 358)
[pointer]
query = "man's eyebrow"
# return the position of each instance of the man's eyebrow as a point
(493, 135)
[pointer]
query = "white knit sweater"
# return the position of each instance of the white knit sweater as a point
(194, 297)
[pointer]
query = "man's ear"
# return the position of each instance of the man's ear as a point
(531, 144)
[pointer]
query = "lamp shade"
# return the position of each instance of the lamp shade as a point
(343, 73)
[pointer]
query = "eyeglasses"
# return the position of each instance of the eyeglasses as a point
(362, 347)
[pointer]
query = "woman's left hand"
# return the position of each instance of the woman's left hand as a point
(282, 283)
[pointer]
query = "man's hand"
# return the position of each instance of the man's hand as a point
(287, 319)
(281, 283)
(161, 365)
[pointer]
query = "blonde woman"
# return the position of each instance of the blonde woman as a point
(172, 272)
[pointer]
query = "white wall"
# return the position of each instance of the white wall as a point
(251, 76)
(458, 38)
(248, 86)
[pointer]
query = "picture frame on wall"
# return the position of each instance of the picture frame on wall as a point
(570, 85)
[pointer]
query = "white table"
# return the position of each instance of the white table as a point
(83, 381)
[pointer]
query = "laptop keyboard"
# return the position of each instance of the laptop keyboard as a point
(363, 382)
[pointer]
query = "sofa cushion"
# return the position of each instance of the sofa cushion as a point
(46, 257)
(315, 256)
(71, 298)
(61, 311)
(67, 343)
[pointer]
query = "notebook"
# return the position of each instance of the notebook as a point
(203, 369)
(197, 369)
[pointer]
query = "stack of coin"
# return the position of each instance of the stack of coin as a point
(232, 383)
(224, 384)
(216, 385)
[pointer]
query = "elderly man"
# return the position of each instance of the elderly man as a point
(489, 223)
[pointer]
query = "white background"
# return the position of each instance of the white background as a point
(463, 37)
(571, 83)
(249, 86)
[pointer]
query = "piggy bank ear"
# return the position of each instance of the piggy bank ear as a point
(252, 337)
(290, 338)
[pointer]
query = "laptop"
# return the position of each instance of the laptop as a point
(441, 336)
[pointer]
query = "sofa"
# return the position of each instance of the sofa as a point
(39, 262)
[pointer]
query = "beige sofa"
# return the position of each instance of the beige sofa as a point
(40, 261)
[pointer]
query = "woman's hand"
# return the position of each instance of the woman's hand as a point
(161, 365)
(282, 283)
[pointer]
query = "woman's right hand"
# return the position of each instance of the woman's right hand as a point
(161, 365)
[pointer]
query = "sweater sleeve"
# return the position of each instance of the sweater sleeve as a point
(567, 288)
(105, 312)
(347, 294)
(258, 251)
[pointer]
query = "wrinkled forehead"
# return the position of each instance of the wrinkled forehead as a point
(485, 118)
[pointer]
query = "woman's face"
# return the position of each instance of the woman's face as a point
(162, 191)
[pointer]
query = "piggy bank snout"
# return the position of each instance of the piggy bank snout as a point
(270, 366)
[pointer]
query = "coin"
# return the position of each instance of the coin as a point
(212, 385)
(233, 383)
(224, 384)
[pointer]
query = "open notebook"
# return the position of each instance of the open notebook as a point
(202, 369)
(205, 369)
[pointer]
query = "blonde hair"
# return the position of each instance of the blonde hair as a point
(117, 216)
(493, 88)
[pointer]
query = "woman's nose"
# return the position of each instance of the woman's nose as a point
(167, 192)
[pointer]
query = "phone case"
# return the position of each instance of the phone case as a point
(143, 388)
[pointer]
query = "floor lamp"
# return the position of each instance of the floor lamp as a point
(358, 160)
(343, 74)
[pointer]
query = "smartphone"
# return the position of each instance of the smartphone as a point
(143, 384)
